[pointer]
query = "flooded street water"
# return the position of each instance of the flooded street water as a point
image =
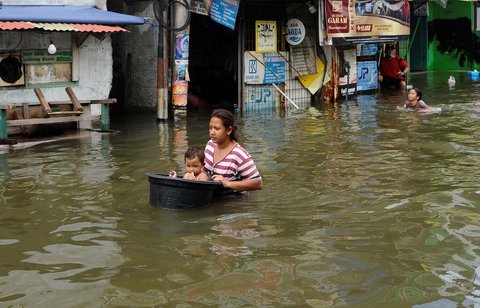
(364, 204)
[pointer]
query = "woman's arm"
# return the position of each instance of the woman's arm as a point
(243, 185)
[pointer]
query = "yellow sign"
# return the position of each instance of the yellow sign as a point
(265, 36)
(313, 82)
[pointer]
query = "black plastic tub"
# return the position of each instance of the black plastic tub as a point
(179, 194)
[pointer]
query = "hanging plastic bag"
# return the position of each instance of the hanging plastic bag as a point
(442, 3)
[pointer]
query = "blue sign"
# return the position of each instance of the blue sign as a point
(368, 49)
(367, 75)
(274, 68)
(225, 12)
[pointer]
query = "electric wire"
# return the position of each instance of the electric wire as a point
(160, 6)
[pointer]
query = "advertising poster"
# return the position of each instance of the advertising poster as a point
(199, 7)
(180, 93)
(349, 80)
(181, 46)
(181, 67)
(354, 22)
(271, 71)
(367, 75)
(224, 12)
(265, 36)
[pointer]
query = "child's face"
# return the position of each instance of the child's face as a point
(412, 95)
(193, 165)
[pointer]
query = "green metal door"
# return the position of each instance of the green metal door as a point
(418, 43)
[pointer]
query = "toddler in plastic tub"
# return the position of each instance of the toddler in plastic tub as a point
(194, 163)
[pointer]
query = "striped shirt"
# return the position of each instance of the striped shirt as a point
(236, 165)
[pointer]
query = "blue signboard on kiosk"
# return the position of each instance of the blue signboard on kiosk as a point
(367, 75)
(224, 12)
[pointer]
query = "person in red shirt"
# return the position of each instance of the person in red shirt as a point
(392, 69)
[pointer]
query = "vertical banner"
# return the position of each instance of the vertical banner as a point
(180, 93)
(348, 82)
(338, 16)
(354, 22)
(180, 86)
(182, 41)
(265, 36)
(224, 12)
(181, 55)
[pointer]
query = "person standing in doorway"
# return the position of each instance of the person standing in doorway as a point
(392, 69)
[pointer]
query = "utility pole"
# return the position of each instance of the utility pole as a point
(162, 72)
(180, 51)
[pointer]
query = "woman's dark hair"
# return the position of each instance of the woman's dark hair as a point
(419, 93)
(193, 152)
(227, 120)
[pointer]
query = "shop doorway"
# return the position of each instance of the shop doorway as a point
(213, 66)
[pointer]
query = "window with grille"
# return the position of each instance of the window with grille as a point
(267, 95)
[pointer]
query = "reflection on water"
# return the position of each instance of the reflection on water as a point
(363, 204)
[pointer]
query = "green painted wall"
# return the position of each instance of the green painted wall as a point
(454, 10)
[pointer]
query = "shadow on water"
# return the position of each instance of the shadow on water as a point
(364, 204)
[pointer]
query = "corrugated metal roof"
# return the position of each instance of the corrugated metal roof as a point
(16, 25)
(98, 28)
(22, 25)
(54, 27)
(66, 14)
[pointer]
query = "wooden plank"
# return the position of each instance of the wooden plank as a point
(64, 113)
(16, 116)
(35, 121)
(26, 114)
(43, 101)
(104, 101)
(82, 102)
(7, 106)
(73, 98)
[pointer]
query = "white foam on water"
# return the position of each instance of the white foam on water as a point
(434, 110)
(394, 205)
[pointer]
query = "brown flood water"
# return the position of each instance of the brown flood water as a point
(364, 204)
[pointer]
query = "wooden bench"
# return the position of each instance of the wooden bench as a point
(51, 117)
